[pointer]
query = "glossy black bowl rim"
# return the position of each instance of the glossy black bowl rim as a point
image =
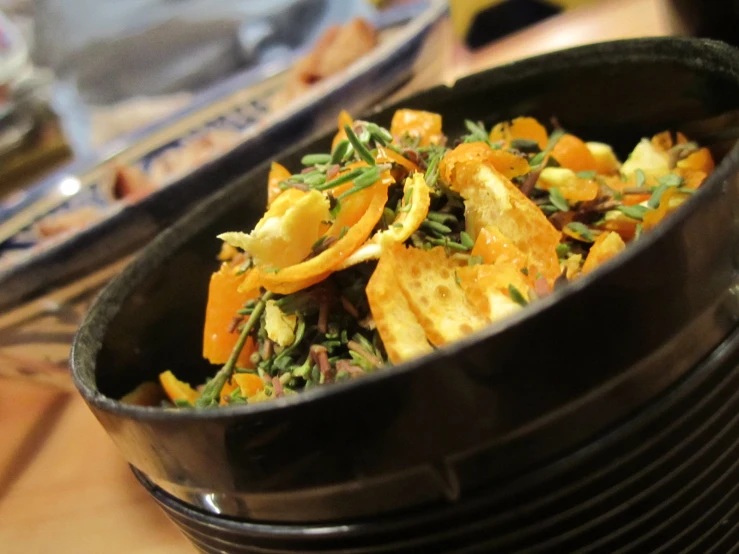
(109, 300)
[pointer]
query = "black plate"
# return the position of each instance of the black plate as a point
(480, 412)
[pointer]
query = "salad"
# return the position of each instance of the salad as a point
(402, 240)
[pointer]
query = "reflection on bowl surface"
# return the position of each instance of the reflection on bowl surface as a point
(596, 373)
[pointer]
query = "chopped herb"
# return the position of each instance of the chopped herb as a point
(656, 197)
(581, 230)
(343, 232)
(525, 271)
(380, 134)
(466, 240)
(446, 243)
(557, 200)
(634, 212)
(563, 250)
(339, 153)
(366, 180)
(526, 146)
(315, 159)
(671, 180)
(641, 178)
(341, 179)
(315, 180)
(360, 148)
(477, 132)
(436, 227)
(442, 218)
(587, 174)
(457, 280)
(516, 296)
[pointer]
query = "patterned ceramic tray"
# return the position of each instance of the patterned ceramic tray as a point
(121, 199)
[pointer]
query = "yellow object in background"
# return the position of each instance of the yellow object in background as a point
(464, 12)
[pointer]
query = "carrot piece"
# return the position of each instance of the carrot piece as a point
(249, 383)
(277, 174)
(701, 160)
(224, 300)
(605, 247)
(670, 201)
(528, 128)
(417, 123)
(520, 128)
(176, 389)
(573, 153)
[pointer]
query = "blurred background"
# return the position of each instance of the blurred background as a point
(75, 74)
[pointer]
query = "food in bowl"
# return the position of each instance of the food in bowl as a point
(399, 241)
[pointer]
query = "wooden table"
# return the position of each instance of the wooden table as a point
(63, 486)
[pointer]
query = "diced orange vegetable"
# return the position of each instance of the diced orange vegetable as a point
(277, 174)
(427, 279)
(249, 383)
(293, 278)
(176, 389)
(520, 128)
(572, 187)
(634, 199)
(573, 153)
(692, 179)
(224, 300)
(621, 224)
(669, 202)
(494, 247)
(700, 160)
(343, 119)
(402, 335)
(417, 123)
(605, 247)
(385, 155)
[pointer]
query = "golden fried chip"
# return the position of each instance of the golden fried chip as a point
(491, 199)
(401, 333)
(428, 281)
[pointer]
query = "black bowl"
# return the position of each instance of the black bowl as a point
(505, 405)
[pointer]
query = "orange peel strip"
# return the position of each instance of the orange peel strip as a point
(326, 261)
